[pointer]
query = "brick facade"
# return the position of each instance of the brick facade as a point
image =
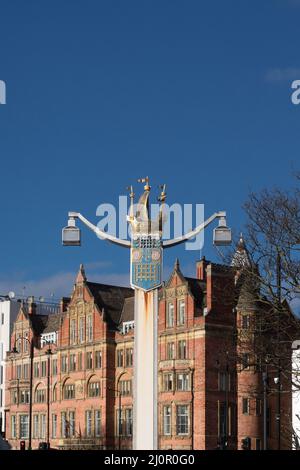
(91, 362)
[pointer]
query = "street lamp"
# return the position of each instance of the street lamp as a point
(31, 343)
(120, 415)
(146, 249)
(48, 353)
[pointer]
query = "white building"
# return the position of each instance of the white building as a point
(8, 312)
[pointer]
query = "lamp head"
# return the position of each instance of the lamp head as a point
(71, 235)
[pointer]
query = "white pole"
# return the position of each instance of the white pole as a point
(145, 370)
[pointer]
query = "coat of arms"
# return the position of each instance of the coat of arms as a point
(146, 245)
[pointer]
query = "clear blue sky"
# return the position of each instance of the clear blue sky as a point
(99, 93)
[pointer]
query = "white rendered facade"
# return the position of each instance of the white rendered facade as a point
(8, 312)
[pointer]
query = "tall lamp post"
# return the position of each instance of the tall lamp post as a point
(31, 345)
(146, 250)
(120, 415)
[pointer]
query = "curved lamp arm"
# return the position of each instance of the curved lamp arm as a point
(166, 244)
(193, 233)
(97, 231)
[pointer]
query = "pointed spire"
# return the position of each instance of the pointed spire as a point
(81, 277)
(241, 258)
(241, 246)
(176, 265)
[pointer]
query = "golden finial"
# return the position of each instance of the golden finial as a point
(145, 180)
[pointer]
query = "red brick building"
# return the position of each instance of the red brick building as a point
(203, 396)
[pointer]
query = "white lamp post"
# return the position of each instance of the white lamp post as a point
(146, 248)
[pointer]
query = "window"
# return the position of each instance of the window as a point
(168, 382)
(97, 423)
(245, 322)
(54, 426)
(120, 357)
(257, 444)
(94, 389)
(40, 395)
(258, 407)
(128, 422)
(54, 393)
(36, 369)
(19, 372)
(25, 343)
(222, 419)
(125, 387)
(170, 351)
(14, 397)
(224, 381)
(119, 422)
(89, 328)
(181, 312)
(98, 359)
(170, 315)
(13, 426)
(25, 371)
(129, 357)
(24, 396)
(72, 423)
(80, 361)
(89, 360)
(2, 318)
(69, 391)
(245, 361)
(182, 419)
(73, 331)
(72, 362)
(24, 426)
(19, 343)
(167, 419)
(64, 425)
(183, 382)
(246, 406)
(43, 370)
(81, 330)
(64, 364)
(43, 426)
(54, 367)
(182, 349)
(88, 423)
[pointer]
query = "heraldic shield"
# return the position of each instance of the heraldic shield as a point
(146, 261)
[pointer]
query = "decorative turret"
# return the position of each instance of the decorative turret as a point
(241, 257)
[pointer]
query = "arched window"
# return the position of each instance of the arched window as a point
(40, 394)
(68, 390)
(94, 389)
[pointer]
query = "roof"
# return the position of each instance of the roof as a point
(53, 323)
(197, 289)
(38, 323)
(111, 299)
(128, 310)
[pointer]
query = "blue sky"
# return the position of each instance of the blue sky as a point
(193, 94)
